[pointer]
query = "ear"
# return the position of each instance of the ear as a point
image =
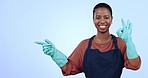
(111, 19)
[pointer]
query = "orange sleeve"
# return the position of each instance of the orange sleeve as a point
(122, 47)
(74, 65)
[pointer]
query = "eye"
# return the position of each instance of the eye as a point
(107, 17)
(98, 18)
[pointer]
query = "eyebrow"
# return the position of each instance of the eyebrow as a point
(103, 15)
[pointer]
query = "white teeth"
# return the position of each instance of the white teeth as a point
(102, 26)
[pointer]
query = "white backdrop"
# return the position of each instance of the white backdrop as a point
(65, 23)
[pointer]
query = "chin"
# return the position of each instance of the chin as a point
(103, 31)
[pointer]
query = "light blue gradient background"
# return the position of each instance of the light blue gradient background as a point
(65, 23)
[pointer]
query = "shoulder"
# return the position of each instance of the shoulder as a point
(84, 42)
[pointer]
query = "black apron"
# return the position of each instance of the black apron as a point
(107, 64)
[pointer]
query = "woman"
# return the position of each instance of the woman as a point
(101, 56)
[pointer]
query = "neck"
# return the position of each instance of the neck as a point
(102, 37)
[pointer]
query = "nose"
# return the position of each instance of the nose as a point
(102, 21)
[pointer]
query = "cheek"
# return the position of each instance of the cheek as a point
(95, 22)
(109, 22)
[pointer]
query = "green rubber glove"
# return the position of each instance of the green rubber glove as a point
(125, 34)
(56, 55)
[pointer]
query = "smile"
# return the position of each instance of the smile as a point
(102, 27)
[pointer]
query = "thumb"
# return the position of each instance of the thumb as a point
(119, 32)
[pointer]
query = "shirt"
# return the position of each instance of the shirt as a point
(75, 60)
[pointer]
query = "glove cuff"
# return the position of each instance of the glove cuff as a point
(131, 49)
(131, 54)
(59, 58)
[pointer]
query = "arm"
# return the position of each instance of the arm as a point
(135, 62)
(69, 66)
(125, 34)
(64, 68)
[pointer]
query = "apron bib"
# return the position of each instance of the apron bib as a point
(107, 64)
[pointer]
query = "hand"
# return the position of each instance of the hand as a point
(48, 47)
(125, 32)
(56, 55)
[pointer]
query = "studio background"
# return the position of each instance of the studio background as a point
(65, 23)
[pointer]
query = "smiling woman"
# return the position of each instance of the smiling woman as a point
(69, 24)
(102, 19)
(101, 56)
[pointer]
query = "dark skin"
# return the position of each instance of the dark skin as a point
(102, 20)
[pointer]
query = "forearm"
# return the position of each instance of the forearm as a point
(70, 69)
(131, 49)
(59, 58)
(64, 68)
(132, 55)
(135, 62)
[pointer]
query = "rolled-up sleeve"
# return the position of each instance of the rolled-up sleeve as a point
(74, 64)
(127, 63)
(129, 66)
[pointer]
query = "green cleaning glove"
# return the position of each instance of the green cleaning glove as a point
(125, 34)
(56, 55)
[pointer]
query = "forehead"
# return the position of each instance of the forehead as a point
(103, 11)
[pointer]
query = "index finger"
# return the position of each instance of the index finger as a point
(40, 43)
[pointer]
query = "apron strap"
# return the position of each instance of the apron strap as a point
(114, 41)
(90, 42)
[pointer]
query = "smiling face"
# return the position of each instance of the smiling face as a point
(102, 19)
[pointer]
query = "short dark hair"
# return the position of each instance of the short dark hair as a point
(102, 5)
